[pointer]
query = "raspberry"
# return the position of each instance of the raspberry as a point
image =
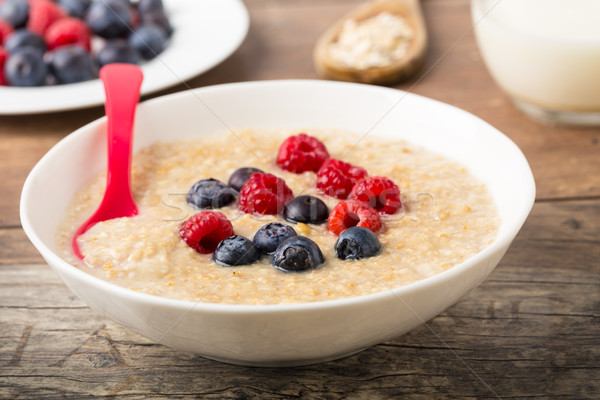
(301, 153)
(379, 192)
(42, 14)
(336, 178)
(203, 231)
(264, 194)
(67, 31)
(347, 214)
(3, 57)
(5, 30)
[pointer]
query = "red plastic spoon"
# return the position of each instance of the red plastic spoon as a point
(122, 87)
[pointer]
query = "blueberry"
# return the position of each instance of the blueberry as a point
(146, 6)
(75, 8)
(109, 18)
(158, 18)
(117, 51)
(24, 38)
(356, 243)
(271, 235)
(26, 67)
(235, 250)
(306, 209)
(70, 64)
(149, 40)
(240, 176)
(297, 253)
(15, 12)
(210, 193)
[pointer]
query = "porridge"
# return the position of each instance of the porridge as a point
(446, 216)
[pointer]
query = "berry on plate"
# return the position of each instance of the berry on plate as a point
(158, 18)
(306, 209)
(70, 64)
(15, 12)
(356, 243)
(149, 40)
(336, 178)
(42, 14)
(270, 236)
(301, 153)
(264, 194)
(297, 253)
(146, 6)
(240, 176)
(347, 214)
(67, 31)
(235, 250)
(24, 38)
(203, 231)
(26, 67)
(109, 19)
(210, 193)
(3, 56)
(6, 30)
(379, 192)
(117, 51)
(75, 8)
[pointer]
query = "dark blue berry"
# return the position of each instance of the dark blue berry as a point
(210, 193)
(356, 243)
(70, 64)
(75, 8)
(149, 40)
(240, 176)
(109, 18)
(270, 236)
(158, 18)
(146, 6)
(306, 209)
(235, 250)
(297, 253)
(26, 67)
(15, 12)
(22, 39)
(117, 51)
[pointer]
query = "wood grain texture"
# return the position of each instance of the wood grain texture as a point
(530, 331)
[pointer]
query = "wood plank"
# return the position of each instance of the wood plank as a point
(531, 330)
(15, 248)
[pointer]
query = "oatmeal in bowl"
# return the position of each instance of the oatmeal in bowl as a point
(276, 215)
(441, 216)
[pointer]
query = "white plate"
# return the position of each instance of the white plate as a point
(206, 33)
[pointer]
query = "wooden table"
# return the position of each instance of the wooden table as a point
(531, 330)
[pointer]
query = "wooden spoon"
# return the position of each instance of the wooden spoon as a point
(394, 72)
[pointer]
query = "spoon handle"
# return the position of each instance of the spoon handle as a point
(122, 84)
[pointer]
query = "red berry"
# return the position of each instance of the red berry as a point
(204, 230)
(42, 14)
(67, 31)
(3, 57)
(5, 30)
(264, 194)
(301, 153)
(336, 178)
(379, 192)
(347, 214)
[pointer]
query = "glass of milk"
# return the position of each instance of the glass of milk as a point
(545, 54)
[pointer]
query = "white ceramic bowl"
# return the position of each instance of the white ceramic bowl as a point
(294, 334)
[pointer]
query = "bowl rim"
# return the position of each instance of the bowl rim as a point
(499, 243)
